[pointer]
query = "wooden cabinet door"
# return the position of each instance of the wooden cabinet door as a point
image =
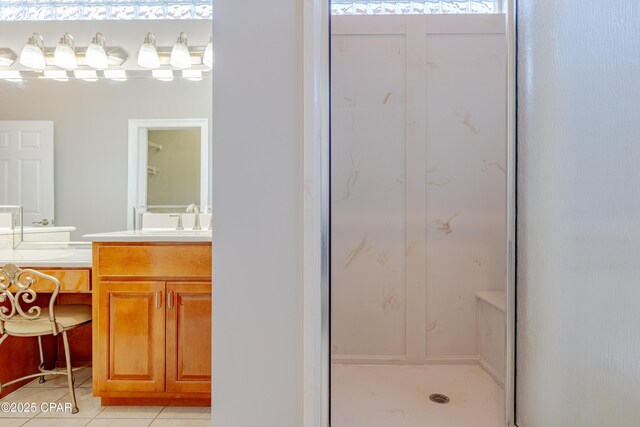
(132, 336)
(189, 337)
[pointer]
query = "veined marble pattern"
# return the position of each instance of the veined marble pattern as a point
(368, 188)
(418, 186)
(398, 396)
(466, 185)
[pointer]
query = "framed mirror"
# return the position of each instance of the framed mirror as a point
(168, 163)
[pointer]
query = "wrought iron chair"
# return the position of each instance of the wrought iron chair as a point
(34, 321)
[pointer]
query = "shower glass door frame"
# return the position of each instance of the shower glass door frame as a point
(316, 215)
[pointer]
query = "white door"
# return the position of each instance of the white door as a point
(26, 169)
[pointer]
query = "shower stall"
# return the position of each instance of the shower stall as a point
(418, 218)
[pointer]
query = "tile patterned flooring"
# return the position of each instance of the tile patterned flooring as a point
(398, 396)
(91, 413)
(362, 396)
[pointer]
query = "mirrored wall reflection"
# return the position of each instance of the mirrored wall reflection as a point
(90, 120)
(173, 166)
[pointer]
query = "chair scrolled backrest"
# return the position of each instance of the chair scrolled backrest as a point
(15, 289)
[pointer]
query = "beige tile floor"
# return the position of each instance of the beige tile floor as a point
(398, 396)
(91, 413)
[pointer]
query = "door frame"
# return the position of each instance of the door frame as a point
(316, 213)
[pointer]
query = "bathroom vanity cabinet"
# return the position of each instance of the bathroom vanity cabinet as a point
(152, 323)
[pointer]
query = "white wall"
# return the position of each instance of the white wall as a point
(578, 214)
(419, 184)
(257, 199)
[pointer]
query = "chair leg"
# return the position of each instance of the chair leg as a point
(42, 378)
(70, 377)
(2, 338)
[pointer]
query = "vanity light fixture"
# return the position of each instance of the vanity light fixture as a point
(148, 55)
(96, 57)
(207, 57)
(32, 54)
(117, 75)
(65, 53)
(180, 56)
(11, 76)
(86, 75)
(7, 57)
(163, 75)
(193, 75)
(57, 75)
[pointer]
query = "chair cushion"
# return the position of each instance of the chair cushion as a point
(67, 317)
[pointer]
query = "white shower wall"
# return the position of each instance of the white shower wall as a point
(418, 184)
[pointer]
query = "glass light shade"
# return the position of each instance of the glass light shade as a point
(163, 75)
(11, 76)
(193, 75)
(57, 75)
(65, 57)
(148, 56)
(87, 75)
(96, 57)
(207, 58)
(32, 57)
(117, 75)
(7, 57)
(180, 56)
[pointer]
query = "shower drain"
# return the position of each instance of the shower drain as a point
(439, 398)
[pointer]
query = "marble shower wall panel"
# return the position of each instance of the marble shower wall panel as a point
(368, 196)
(418, 183)
(466, 185)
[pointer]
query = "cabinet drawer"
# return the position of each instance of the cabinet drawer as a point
(71, 280)
(153, 260)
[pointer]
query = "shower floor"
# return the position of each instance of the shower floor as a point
(398, 396)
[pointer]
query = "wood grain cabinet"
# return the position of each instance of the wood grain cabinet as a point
(152, 340)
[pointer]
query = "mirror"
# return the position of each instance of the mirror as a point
(91, 154)
(168, 163)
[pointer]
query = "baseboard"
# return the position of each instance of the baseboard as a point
(452, 360)
(499, 378)
(400, 360)
(368, 360)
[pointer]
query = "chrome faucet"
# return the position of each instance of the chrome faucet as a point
(193, 208)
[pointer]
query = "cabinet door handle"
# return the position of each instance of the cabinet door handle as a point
(158, 298)
(170, 300)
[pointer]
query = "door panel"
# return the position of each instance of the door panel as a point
(188, 337)
(26, 168)
(578, 211)
(132, 343)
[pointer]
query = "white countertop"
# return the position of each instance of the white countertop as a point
(34, 230)
(60, 257)
(151, 235)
